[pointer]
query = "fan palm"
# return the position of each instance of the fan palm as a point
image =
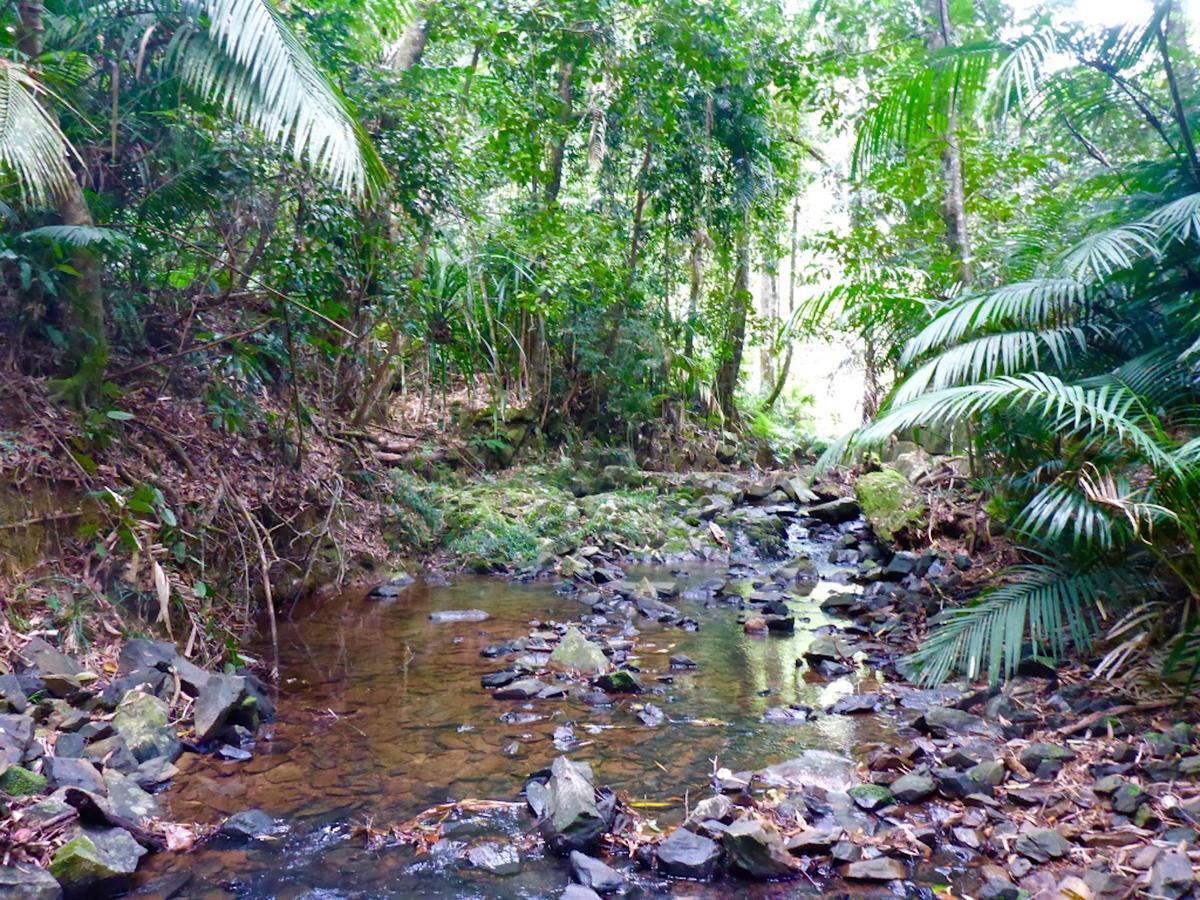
(1082, 380)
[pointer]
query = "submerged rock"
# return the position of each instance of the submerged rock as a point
(685, 854)
(459, 615)
(252, 824)
(621, 681)
(499, 859)
(881, 868)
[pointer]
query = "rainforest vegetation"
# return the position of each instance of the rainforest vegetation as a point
(292, 223)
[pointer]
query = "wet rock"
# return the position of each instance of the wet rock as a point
(781, 624)
(73, 773)
(881, 868)
(786, 715)
(955, 785)
(595, 874)
(1042, 845)
(680, 661)
(28, 882)
(154, 773)
(685, 854)
(812, 768)
(1171, 875)
(756, 849)
(621, 681)
(392, 588)
(857, 703)
(912, 788)
(814, 841)
(719, 808)
(499, 859)
(94, 858)
(870, 796)
(522, 689)
(844, 509)
(578, 892)
(575, 653)
(459, 615)
(996, 884)
(657, 610)
(250, 824)
(827, 648)
(572, 817)
(651, 715)
(988, 772)
(755, 625)
(499, 679)
(943, 721)
(142, 721)
(218, 699)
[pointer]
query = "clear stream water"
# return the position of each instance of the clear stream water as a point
(381, 715)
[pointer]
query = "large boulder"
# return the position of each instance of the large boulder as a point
(892, 506)
(843, 509)
(572, 818)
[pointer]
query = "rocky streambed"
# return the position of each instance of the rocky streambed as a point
(737, 722)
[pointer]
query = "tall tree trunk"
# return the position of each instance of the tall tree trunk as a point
(696, 268)
(735, 333)
(407, 53)
(558, 149)
(85, 291)
(954, 212)
(770, 313)
(781, 378)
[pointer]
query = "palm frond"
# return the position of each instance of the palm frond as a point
(1108, 410)
(77, 235)
(1178, 221)
(33, 148)
(243, 56)
(1100, 255)
(1049, 606)
(1037, 304)
(995, 354)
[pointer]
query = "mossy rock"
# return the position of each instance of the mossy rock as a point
(891, 504)
(18, 782)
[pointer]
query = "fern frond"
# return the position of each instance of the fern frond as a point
(33, 149)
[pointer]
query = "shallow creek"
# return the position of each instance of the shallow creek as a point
(381, 715)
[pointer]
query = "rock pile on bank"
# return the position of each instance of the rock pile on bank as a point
(83, 756)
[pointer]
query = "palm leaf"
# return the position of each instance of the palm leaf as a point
(32, 147)
(241, 55)
(1049, 606)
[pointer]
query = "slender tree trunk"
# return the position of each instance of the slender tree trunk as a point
(735, 333)
(696, 268)
(781, 378)
(954, 212)
(85, 291)
(558, 150)
(770, 312)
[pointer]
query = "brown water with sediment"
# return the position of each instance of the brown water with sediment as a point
(381, 715)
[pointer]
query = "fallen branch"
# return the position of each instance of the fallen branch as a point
(1088, 721)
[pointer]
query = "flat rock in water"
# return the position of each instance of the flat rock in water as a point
(756, 849)
(786, 715)
(857, 703)
(459, 615)
(680, 661)
(575, 653)
(685, 854)
(814, 841)
(218, 699)
(28, 882)
(522, 689)
(94, 857)
(578, 892)
(499, 859)
(881, 868)
(812, 768)
(595, 874)
(252, 824)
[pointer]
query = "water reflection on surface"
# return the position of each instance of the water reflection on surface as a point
(381, 715)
